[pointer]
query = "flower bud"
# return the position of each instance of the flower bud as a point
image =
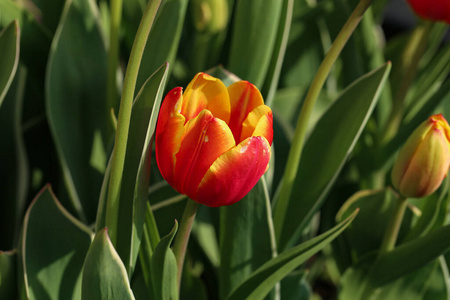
(424, 160)
(435, 10)
(210, 15)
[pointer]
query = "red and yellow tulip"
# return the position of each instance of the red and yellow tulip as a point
(424, 160)
(435, 10)
(213, 142)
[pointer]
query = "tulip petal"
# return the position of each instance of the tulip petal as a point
(428, 167)
(205, 139)
(206, 92)
(234, 173)
(169, 131)
(259, 122)
(244, 97)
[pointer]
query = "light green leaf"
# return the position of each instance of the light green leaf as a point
(8, 282)
(164, 269)
(136, 172)
(259, 284)
(9, 58)
(104, 275)
(76, 105)
(52, 250)
(410, 256)
(253, 38)
(327, 149)
(244, 239)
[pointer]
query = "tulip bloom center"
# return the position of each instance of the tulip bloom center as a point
(213, 142)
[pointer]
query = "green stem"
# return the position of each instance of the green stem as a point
(414, 50)
(391, 234)
(305, 113)
(388, 243)
(123, 121)
(113, 53)
(182, 238)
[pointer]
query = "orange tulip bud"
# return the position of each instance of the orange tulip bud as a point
(213, 142)
(424, 160)
(435, 10)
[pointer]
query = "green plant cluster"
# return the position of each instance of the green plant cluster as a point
(85, 214)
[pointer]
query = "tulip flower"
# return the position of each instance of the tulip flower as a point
(424, 160)
(213, 142)
(435, 10)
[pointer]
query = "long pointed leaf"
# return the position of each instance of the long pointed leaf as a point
(52, 250)
(259, 284)
(327, 149)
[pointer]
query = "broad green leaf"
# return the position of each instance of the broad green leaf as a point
(410, 287)
(13, 161)
(9, 58)
(326, 151)
(296, 286)
(8, 282)
(35, 39)
(76, 105)
(104, 275)
(162, 44)
(264, 279)
(410, 256)
(52, 250)
(273, 73)
(164, 269)
(366, 232)
(136, 172)
(434, 212)
(253, 38)
(244, 239)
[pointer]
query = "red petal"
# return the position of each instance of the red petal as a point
(234, 173)
(244, 97)
(205, 139)
(259, 122)
(206, 92)
(169, 131)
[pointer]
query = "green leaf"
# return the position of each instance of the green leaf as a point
(76, 105)
(376, 208)
(273, 73)
(9, 58)
(8, 284)
(244, 239)
(52, 250)
(164, 269)
(104, 275)
(35, 39)
(253, 38)
(264, 279)
(136, 172)
(410, 256)
(327, 149)
(164, 37)
(13, 159)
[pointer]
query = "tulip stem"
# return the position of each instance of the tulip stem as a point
(305, 114)
(123, 121)
(182, 237)
(391, 234)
